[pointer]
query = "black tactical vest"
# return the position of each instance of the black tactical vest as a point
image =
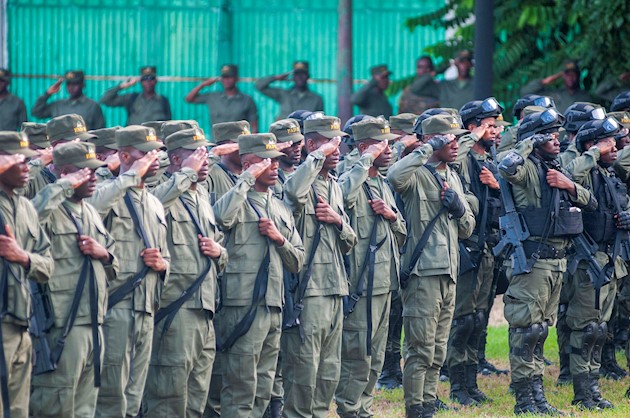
(489, 199)
(601, 224)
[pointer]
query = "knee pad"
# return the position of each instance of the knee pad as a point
(589, 339)
(481, 320)
(600, 340)
(543, 333)
(463, 328)
(529, 339)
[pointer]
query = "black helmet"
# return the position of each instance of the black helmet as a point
(417, 126)
(347, 128)
(300, 115)
(532, 100)
(621, 102)
(480, 109)
(595, 130)
(539, 122)
(579, 113)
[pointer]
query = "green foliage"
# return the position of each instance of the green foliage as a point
(533, 38)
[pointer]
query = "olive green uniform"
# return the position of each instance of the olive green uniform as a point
(224, 108)
(12, 113)
(429, 297)
(456, 93)
(19, 215)
(560, 96)
(69, 391)
(38, 178)
(348, 161)
(184, 350)
(311, 368)
(372, 101)
(290, 99)
(248, 366)
(421, 95)
(139, 107)
(360, 370)
(532, 298)
(87, 108)
(220, 181)
(128, 327)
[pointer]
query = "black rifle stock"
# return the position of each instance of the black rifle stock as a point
(585, 249)
(41, 322)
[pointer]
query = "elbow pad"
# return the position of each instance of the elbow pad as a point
(511, 163)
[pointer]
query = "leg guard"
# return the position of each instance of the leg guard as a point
(527, 339)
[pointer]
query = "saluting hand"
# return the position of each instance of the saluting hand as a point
(487, 178)
(113, 162)
(196, 160)
(152, 258)
(45, 156)
(283, 76)
(381, 208)
(409, 140)
(325, 213)
(77, 178)
(143, 164)
(480, 130)
(209, 82)
(329, 147)
(9, 160)
(55, 87)
(376, 149)
(209, 247)
(258, 168)
(283, 145)
(132, 81)
(89, 246)
(267, 228)
(11, 251)
(224, 149)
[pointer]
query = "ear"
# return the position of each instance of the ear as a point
(310, 145)
(362, 146)
(471, 126)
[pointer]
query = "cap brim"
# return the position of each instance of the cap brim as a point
(198, 144)
(148, 146)
(386, 137)
(294, 139)
(27, 152)
(457, 131)
(331, 134)
(91, 163)
(300, 70)
(86, 136)
(111, 146)
(269, 154)
(503, 123)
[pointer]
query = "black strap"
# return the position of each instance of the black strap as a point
(620, 235)
(419, 249)
(170, 311)
(131, 284)
(228, 172)
(4, 288)
(258, 295)
(48, 175)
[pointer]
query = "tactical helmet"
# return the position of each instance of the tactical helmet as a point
(539, 122)
(579, 113)
(417, 126)
(347, 128)
(480, 109)
(595, 130)
(532, 100)
(621, 102)
(300, 116)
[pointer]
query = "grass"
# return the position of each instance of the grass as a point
(390, 404)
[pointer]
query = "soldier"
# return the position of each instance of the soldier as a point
(12, 109)
(184, 339)
(262, 241)
(455, 93)
(37, 138)
(477, 171)
(575, 116)
(145, 106)
(136, 220)
(25, 254)
(84, 262)
(437, 215)
(77, 103)
(297, 97)
(374, 264)
(509, 137)
(531, 300)
(588, 308)
(352, 153)
(287, 131)
(60, 129)
(563, 97)
(371, 98)
(229, 105)
(621, 102)
(311, 341)
(106, 151)
(424, 92)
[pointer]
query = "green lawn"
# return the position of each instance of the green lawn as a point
(390, 404)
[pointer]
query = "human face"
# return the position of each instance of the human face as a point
(331, 161)
(228, 83)
(448, 153)
(571, 79)
(202, 175)
(300, 79)
(552, 147)
(623, 142)
(267, 178)
(85, 190)
(611, 157)
(4, 84)
(15, 177)
(423, 66)
(148, 83)
(293, 154)
(130, 155)
(463, 67)
(75, 90)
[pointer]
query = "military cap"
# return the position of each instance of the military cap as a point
(377, 129)
(622, 117)
(379, 69)
(105, 137)
(229, 70)
(36, 133)
(261, 145)
(74, 77)
(148, 71)
(229, 131)
(403, 122)
(502, 122)
(327, 126)
(300, 67)
(442, 124)
(5, 75)
(347, 128)
(155, 124)
(67, 128)
(287, 130)
(571, 65)
(187, 139)
(78, 154)
(139, 137)
(12, 142)
(417, 126)
(171, 126)
(464, 55)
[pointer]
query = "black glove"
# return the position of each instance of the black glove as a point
(623, 220)
(438, 141)
(540, 139)
(453, 203)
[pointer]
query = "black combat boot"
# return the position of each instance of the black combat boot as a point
(538, 393)
(428, 409)
(622, 332)
(524, 399)
(596, 393)
(440, 406)
(414, 411)
(609, 368)
(444, 377)
(391, 375)
(564, 378)
(471, 385)
(485, 367)
(459, 393)
(582, 396)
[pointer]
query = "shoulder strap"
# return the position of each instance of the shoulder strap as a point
(228, 172)
(4, 373)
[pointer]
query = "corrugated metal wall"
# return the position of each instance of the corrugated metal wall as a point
(193, 38)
